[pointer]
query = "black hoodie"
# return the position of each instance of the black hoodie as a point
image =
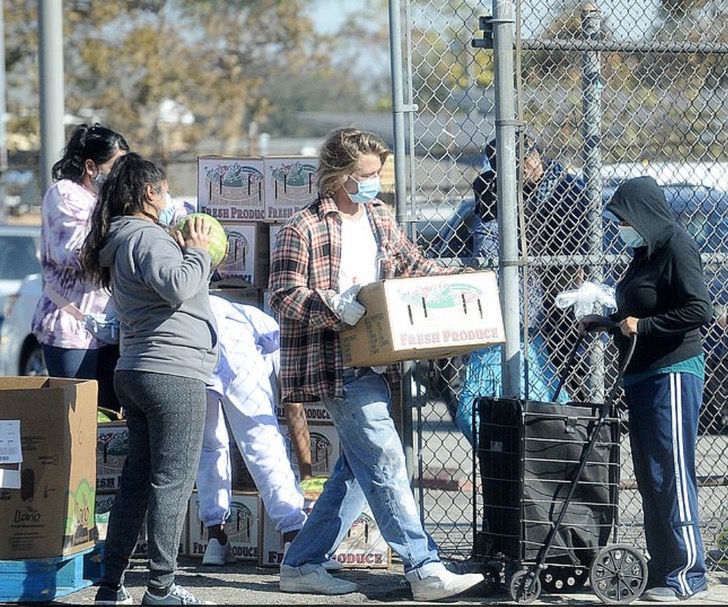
(663, 286)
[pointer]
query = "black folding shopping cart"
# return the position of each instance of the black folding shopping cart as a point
(550, 480)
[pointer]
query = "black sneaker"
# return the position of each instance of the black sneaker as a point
(107, 595)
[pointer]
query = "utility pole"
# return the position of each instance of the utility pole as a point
(52, 137)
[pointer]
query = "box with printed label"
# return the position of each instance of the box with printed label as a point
(50, 513)
(231, 189)
(424, 317)
(247, 259)
(241, 526)
(273, 230)
(316, 414)
(104, 502)
(290, 184)
(362, 547)
(325, 448)
(112, 446)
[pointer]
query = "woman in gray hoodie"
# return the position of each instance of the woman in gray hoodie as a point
(159, 286)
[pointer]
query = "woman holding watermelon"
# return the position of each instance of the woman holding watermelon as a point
(159, 287)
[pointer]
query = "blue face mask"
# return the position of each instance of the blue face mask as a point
(366, 190)
(631, 237)
(166, 215)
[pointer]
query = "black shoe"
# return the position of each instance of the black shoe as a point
(106, 595)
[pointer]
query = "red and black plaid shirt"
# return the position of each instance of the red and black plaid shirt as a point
(305, 276)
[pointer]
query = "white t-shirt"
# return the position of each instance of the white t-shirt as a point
(359, 263)
(358, 252)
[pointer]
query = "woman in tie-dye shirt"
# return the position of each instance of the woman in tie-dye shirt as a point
(69, 348)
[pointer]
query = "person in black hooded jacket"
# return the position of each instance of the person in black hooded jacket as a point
(663, 299)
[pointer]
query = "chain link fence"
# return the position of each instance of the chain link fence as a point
(606, 90)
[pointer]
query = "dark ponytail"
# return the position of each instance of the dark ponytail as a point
(95, 143)
(122, 194)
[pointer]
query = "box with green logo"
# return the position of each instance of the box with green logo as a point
(423, 318)
(51, 513)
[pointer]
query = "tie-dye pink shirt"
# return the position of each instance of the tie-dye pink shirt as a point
(66, 213)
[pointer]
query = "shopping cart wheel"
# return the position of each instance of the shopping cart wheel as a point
(525, 587)
(618, 574)
(555, 578)
(492, 579)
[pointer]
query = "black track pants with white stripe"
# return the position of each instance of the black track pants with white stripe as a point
(663, 427)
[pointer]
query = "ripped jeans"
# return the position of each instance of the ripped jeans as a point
(371, 468)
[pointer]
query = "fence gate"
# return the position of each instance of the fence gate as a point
(605, 90)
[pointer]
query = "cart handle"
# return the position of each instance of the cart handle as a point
(604, 324)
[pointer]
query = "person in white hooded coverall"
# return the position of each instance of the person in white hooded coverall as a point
(243, 386)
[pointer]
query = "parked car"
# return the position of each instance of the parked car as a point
(702, 210)
(20, 352)
(19, 257)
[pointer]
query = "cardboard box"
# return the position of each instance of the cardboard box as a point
(231, 189)
(112, 446)
(325, 448)
(250, 296)
(241, 479)
(241, 526)
(247, 261)
(290, 184)
(52, 514)
(425, 317)
(316, 414)
(273, 230)
(362, 547)
(104, 502)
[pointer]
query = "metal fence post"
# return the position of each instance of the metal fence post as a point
(400, 194)
(591, 21)
(505, 129)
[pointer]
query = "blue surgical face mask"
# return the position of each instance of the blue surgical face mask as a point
(366, 190)
(631, 237)
(166, 215)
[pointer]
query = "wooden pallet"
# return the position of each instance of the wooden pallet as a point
(42, 580)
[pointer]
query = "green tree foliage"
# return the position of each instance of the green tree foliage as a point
(239, 67)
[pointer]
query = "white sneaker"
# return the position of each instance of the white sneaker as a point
(218, 554)
(313, 579)
(330, 565)
(442, 584)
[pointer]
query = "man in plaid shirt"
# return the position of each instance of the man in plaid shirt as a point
(323, 255)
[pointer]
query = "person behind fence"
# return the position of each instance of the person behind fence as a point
(323, 255)
(243, 392)
(557, 225)
(159, 286)
(663, 300)
(73, 320)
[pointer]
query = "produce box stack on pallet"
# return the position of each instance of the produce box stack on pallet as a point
(47, 490)
(112, 446)
(252, 197)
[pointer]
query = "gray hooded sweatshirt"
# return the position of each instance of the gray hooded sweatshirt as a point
(161, 296)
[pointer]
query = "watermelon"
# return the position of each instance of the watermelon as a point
(218, 237)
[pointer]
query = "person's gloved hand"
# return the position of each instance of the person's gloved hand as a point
(346, 307)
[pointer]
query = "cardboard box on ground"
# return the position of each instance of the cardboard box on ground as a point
(104, 502)
(424, 317)
(362, 547)
(52, 512)
(241, 526)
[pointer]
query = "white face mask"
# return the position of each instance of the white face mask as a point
(631, 237)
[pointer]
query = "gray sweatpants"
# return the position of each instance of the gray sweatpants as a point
(165, 415)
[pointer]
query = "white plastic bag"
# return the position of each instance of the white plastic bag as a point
(587, 299)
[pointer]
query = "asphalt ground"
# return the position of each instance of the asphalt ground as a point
(247, 584)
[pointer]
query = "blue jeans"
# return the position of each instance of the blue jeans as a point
(86, 364)
(372, 468)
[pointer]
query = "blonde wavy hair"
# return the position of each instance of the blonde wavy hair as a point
(339, 153)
